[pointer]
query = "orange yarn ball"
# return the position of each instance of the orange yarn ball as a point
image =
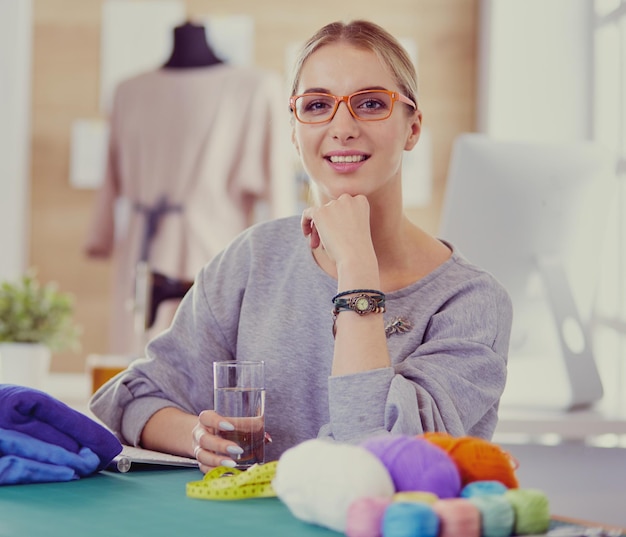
(477, 459)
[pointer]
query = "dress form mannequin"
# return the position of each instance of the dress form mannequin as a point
(199, 194)
(191, 48)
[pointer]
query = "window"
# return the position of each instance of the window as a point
(609, 128)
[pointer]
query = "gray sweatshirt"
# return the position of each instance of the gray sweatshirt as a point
(265, 298)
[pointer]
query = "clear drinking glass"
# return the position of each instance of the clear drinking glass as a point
(239, 396)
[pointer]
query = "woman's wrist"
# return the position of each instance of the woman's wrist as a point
(169, 430)
(357, 274)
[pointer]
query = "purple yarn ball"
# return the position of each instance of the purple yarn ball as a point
(415, 464)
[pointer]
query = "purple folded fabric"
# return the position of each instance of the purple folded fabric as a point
(41, 416)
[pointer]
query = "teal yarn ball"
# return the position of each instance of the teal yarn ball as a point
(496, 514)
(532, 512)
(410, 520)
(483, 488)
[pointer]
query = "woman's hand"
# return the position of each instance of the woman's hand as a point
(341, 226)
(209, 449)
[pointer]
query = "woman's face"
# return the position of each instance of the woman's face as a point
(346, 155)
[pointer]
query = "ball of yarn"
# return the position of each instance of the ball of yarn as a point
(416, 465)
(414, 496)
(477, 459)
(458, 518)
(410, 520)
(365, 516)
(483, 488)
(496, 515)
(318, 480)
(532, 512)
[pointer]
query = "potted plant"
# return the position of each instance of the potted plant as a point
(35, 320)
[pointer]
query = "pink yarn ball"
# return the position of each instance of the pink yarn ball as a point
(459, 518)
(415, 464)
(365, 516)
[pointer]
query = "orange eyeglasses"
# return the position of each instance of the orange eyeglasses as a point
(367, 105)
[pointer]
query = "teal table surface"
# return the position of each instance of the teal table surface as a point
(147, 502)
(144, 503)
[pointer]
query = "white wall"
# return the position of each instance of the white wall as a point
(15, 92)
(535, 69)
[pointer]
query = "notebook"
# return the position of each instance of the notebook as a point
(133, 458)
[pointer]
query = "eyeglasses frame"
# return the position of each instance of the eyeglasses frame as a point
(395, 97)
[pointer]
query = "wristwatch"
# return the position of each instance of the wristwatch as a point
(361, 304)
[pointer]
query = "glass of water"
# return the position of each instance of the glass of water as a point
(239, 396)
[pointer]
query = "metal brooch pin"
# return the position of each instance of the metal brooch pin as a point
(398, 325)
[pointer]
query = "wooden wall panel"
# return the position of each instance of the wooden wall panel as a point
(66, 87)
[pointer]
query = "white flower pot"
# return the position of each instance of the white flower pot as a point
(25, 364)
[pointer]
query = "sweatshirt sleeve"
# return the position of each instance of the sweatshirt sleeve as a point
(176, 371)
(452, 381)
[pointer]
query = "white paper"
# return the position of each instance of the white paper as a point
(136, 37)
(411, 47)
(232, 38)
(88, 150)
(417, 172)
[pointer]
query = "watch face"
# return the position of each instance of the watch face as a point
(362, 303)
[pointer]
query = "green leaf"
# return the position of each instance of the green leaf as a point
(35, 313)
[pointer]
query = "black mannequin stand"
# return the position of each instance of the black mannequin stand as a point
(191, 48)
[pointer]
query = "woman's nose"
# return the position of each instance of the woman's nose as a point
(343, 125)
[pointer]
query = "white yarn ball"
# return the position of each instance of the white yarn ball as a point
(319, 479)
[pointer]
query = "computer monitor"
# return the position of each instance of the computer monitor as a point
(534, 215)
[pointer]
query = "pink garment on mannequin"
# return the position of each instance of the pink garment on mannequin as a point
(209, 139)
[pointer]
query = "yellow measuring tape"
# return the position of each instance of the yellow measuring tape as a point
(224, 483)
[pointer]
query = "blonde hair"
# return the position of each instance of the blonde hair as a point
(369, 36)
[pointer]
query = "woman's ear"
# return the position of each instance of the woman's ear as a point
(415, 130)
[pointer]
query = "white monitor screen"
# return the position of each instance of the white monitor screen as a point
(532, 213)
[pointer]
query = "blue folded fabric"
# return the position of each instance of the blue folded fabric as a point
(16, 470)
(24, 459)
(42, 417)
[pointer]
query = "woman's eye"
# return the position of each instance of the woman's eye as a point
(317, 106)
(372, 104)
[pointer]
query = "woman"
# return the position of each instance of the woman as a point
(417, 339)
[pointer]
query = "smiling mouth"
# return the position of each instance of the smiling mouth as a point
(347, 159)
